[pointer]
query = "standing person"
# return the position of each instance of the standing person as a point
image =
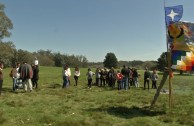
(35, 77)
(26, 74)
(119, 80)
(90, 74)
(110, 76)
(76, 75)
(146, 78)
(13, 75)
(102, 78)
(97, 76)
(154, 78)
(36, 61)
(135, 78)
(65, 77)
(131, 81)
(1, 77)
(69, 73)
(19, 80)
(125, 73)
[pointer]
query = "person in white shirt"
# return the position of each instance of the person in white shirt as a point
(90, 75)
(69, 73)
(36, 61)
(76, 75)
(65, 77)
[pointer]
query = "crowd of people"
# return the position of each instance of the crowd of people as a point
(26, 76)
(121, 79)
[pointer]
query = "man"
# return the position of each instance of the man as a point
(146, 78)
(26, 74)
(125, 73)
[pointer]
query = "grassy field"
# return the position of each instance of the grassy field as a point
(50, 105)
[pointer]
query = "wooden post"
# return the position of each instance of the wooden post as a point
(162, 82)
(170, 79)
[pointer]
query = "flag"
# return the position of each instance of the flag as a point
(182, 60)
(181, 38)
(173, 14)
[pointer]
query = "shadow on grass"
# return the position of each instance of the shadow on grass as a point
(5, 89)
(10, 90)
(55, 85)
(126, 113)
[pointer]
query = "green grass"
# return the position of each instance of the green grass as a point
(50, 105)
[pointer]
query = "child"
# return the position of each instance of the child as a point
(119, 80)
(13, 75)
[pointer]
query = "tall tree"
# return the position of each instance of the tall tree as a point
(25, 56)
(162, 61)
(7, 51)
(110, 60)
(5, 23)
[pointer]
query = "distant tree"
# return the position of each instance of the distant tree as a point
(162, 61)
(58, 59)
(110, 60)
(45, 58)
(25, 56)
(150, 65)
(5, 23)
(7, 51)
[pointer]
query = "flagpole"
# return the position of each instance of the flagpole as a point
(169, 64)
(167, 72)
(165, 25)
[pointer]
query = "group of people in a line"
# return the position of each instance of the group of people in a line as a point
(123, 79)
(28, 75)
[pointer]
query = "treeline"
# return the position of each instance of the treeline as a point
(9, 55)
(138, 64)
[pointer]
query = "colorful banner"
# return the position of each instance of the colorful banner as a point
(181, 40)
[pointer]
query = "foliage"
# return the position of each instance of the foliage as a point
(149, 64)
(7, 52)
(162, 61)
(5, 23)
(70, 60)
(110, 60)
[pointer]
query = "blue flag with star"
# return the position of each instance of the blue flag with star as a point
(173, 14)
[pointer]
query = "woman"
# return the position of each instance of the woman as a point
(154, 78)
(76, 75)
(65, 77)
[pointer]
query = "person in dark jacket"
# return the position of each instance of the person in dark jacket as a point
(26, 75)
(35, 77)
(147, 76)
